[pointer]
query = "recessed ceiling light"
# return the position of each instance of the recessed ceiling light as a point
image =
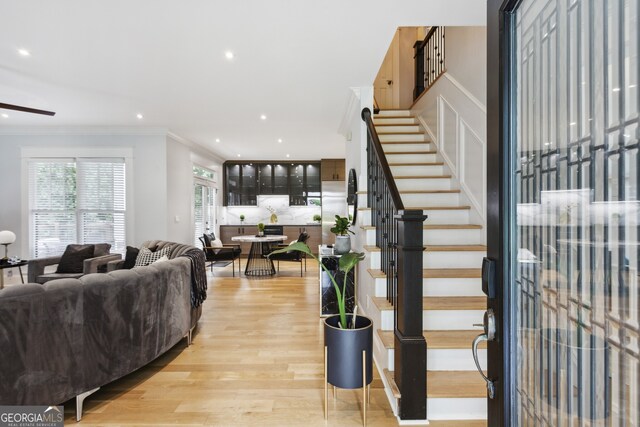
(238, 155)
(139, 116)
(5, 116)
(24, 52)
(217, 139)
(229, 55)
(288, 156)
(279, 140)
(263, 117)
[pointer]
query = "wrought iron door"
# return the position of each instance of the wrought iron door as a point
(564, 135)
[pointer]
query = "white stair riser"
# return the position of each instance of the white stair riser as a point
(425, 184)
(397, 129)
(454, 236)
(453, 320)
(394, 148)
(383, 355)
(364, 217)
(456, 408)
(371, 237)
(448, 259)
(453, 259)
(431, 199)
(383, 113)
(411, 158)
(450, 319)
(417, 170)
(444, 359)
(446, 216)
(454, 359)
(401, 137)
(438, 287)
(395, 121)
(459, 287)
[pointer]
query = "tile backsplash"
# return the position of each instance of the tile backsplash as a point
(261, 213)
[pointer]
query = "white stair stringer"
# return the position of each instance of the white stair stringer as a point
(452, 261)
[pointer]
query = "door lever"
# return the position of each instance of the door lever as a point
(489, 335)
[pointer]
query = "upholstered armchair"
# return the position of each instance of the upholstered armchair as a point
(95, 264)
(215, 251)
(293, 256)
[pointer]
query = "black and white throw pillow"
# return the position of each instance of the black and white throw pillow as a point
(146, 257)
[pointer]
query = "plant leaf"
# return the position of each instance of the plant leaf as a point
(349, 260)
(297, 246)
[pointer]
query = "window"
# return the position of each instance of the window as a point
(204, 202)
(79, 200)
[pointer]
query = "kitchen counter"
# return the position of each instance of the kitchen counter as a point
(291, 230)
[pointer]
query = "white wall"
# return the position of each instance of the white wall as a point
(160, 186)
(453, 112)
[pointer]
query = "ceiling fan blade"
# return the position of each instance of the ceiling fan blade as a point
(26, 109)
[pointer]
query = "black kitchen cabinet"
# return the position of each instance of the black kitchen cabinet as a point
(245, 181)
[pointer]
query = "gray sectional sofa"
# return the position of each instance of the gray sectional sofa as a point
(68, 337)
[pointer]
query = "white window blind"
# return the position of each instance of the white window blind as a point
(204, 210)
(76, 201)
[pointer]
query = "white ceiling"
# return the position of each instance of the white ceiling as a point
(98, 63)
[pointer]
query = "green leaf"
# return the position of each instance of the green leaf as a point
(350, 260)
(297, 246)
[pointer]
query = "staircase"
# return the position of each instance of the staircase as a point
(451, 280)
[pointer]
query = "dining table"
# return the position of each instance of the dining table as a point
(258, 264)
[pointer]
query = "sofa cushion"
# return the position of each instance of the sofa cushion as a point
(101, 249)
(43, 278)
(130, 257)
(73, 258)
(146, 257)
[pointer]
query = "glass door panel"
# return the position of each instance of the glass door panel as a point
(574, 214)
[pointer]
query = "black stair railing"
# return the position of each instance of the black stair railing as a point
(429, 60)
(399, 237)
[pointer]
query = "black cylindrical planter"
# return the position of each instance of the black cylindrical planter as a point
(344, 351)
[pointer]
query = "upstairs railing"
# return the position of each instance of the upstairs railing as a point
(399, 237)
(429, 60)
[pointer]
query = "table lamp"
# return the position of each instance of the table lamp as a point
(6, 238)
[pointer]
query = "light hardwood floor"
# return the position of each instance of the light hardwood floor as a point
(256, 360)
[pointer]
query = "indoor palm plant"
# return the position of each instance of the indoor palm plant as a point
(341, 230)
(348, 344)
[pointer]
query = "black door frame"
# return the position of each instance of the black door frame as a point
(499, 215)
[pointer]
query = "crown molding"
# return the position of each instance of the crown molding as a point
(196, 148)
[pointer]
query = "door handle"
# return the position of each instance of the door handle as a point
(489, 334)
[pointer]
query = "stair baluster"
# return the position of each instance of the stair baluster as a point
(399, 237)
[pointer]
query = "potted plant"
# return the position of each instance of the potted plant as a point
(260, 229)
(241, 219)
(348, 340)
(343, 240)
(317, 218)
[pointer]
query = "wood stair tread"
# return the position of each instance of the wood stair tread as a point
(418, 164)
(420, 191)
(396, 124)
(410, 152)
(413, 132)
(440, 303)
(429, 208)
(438, 273)
(455, 248)
(422, 177)
(457, 423)
(455, 384)
(371, 248)
(438, 340)
(393, 117)
(447, 384)
(404, 142)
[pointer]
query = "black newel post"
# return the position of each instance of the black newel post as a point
(410, 356)
(419, 69)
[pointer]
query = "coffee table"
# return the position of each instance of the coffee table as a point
(4, 265)
(258, 264)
